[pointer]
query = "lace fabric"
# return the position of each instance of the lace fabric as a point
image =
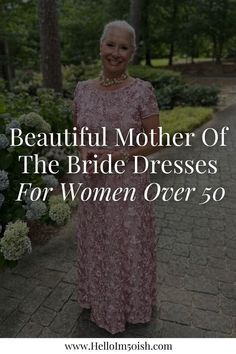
(117, 243)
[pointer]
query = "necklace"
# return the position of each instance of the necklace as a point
(105, 81)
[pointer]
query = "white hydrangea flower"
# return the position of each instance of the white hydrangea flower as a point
(40, 166)
(13, 124)
(50, 180)
(35, 210)
(4, 142)
(45, 127)
(2, 198)
(73, 203)
(4, 181)
(57, 154)
(56, 199)
(15, 242)
(59, 213)
(26, 197)
(34, 120)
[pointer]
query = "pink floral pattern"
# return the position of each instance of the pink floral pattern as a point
(116, 239)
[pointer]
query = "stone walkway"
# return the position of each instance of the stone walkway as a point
(196, 263)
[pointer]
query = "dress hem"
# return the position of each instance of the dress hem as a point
(127, 321)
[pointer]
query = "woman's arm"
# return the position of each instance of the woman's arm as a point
(150, 123)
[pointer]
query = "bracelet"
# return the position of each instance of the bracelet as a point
(125, 156)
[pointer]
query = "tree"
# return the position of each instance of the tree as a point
(191, 39)
(219, 23)
(17, 37)
(170, 22)
(50, 44)
(147, 39)
(135, 21)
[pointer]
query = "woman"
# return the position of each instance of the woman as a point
(116, 239)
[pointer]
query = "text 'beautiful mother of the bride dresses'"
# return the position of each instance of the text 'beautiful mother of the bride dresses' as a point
(116, 239)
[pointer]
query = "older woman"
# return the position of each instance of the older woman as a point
(116, 239)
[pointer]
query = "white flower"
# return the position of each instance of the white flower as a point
(4, 182)
(13, 124)
(59, 213)
(2, 198)
(50, 180)
(73, 203)
(35, 209)
(40, 166)
(15, 242)
(57, 154)
(26, 196)
(56, 199)
(34, 120)
(4, 142)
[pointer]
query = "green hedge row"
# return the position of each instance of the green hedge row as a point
(171, 90)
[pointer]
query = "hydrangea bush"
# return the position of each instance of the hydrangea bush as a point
(14, 240)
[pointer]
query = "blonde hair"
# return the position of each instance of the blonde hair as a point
(120, 24)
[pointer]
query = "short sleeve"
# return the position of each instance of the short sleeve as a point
(148, 102)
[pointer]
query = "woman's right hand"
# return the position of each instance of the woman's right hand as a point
(87, 153)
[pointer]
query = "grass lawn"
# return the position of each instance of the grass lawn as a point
(164, 61)
(184, 119)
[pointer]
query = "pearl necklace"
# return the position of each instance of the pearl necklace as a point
(105, 81)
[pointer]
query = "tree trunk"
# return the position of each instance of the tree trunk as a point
(147, 34)
(173, 31)
(7, 71)
(218, 55)
(50, 44)
(8, 64)
(220, 47)
(3, 72)
(171, 53)
(148, 56)
(217, 50)
(135, 21)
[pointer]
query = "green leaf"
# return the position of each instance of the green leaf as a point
(6, 161)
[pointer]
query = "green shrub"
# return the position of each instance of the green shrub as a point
(171, 89)
(71, 75)
(158, 77)
(27, 81)
(2, 85)
(197, 95)
(11, 176)
(171, 96)
(53, 107)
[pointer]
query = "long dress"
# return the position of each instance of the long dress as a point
(117, 243)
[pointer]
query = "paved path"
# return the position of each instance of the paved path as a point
(196, 264)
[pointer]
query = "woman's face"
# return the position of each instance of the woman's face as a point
(116, 51)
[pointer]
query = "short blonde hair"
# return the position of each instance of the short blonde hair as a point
(121, 25)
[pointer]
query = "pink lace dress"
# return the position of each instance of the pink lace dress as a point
(116, 239)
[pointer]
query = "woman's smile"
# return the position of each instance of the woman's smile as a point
(114, 62)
